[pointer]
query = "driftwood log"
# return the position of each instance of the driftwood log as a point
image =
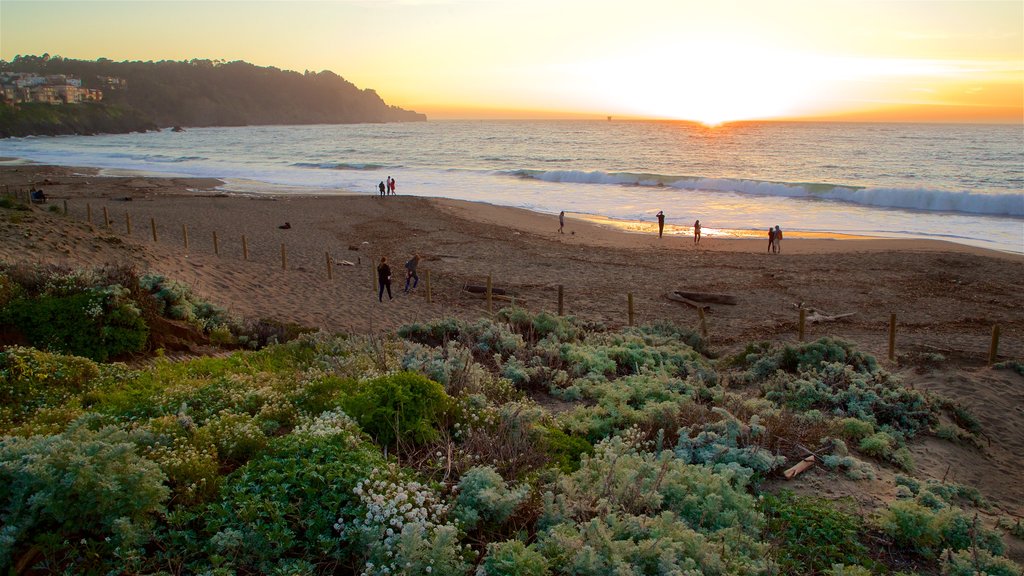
(475, 289)
(815, 315)
(499, 297)
(697, 305)
(799, 468)
(708, 297)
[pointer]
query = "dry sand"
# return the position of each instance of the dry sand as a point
(946, 296)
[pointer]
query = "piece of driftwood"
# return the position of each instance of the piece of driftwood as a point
(815, 315)
(475, 289)
(799, 467)
(709, 297)
(676, 297)
(499, 297)
(344, 263)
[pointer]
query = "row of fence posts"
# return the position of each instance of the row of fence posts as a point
(993, 349)
(992, 354)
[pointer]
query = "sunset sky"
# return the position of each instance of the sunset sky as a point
(703, 60)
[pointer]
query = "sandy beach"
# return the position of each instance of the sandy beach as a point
(946, 297)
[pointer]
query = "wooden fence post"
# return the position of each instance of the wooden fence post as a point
(629, 302)
(892, 336)
(993, 349)
(489, 305)
(152, 226)
(245, 249)
(88, 213)
(65, 207)
(330, 271)
(429, 295)
(561, 300)
(284, 257)
(703, 325)
(184, 235)
(128, 222)
(106, 217)
(803, 323)
(216, 244)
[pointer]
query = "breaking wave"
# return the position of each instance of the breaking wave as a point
(933, 200)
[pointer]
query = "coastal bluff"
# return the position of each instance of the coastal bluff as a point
(194, 93)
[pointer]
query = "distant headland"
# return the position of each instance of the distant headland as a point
(43, 95)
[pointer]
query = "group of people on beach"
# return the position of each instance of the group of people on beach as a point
(384, 276)
(661, 227)
(388, 188)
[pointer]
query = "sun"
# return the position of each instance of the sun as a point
(708, 81)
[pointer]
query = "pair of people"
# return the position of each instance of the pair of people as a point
(775, 239)
(661, 227)
(384, 276)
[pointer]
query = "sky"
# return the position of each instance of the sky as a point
(704, 60)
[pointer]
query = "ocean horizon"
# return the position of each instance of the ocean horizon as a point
(957, 182)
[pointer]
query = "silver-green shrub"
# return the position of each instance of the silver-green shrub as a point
(82, 484)
(485, 498)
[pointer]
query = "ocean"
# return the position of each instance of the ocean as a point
(963, 183)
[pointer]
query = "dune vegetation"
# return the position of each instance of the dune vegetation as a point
(523, 444)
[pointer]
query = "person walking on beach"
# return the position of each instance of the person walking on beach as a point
(696, 232)
(392, 185)
(778, 239)
(381, 188)
(771, 239)
(661, 223)
(410, 269)
(561, 221)
(383, 277)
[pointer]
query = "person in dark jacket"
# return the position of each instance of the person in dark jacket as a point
(383, 278)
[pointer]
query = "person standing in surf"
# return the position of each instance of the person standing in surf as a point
(661, 223)
(561, 221)
(696, 232)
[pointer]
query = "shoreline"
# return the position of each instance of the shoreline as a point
(749, 237)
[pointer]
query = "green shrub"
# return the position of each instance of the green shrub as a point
(82, 484)
(238, 437)
(513, 558)
(813, 534)
(979, 563)
(618, 478)
(285, 503)
(543, 325)
(564, 450)
(403, 406)
(98, 323)
(485, 498)
(763, 361)
(844, 570)
(879, 445)
(31, 380)
(854, 429)
(658, 543)
(928, 532)
(432, 334)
